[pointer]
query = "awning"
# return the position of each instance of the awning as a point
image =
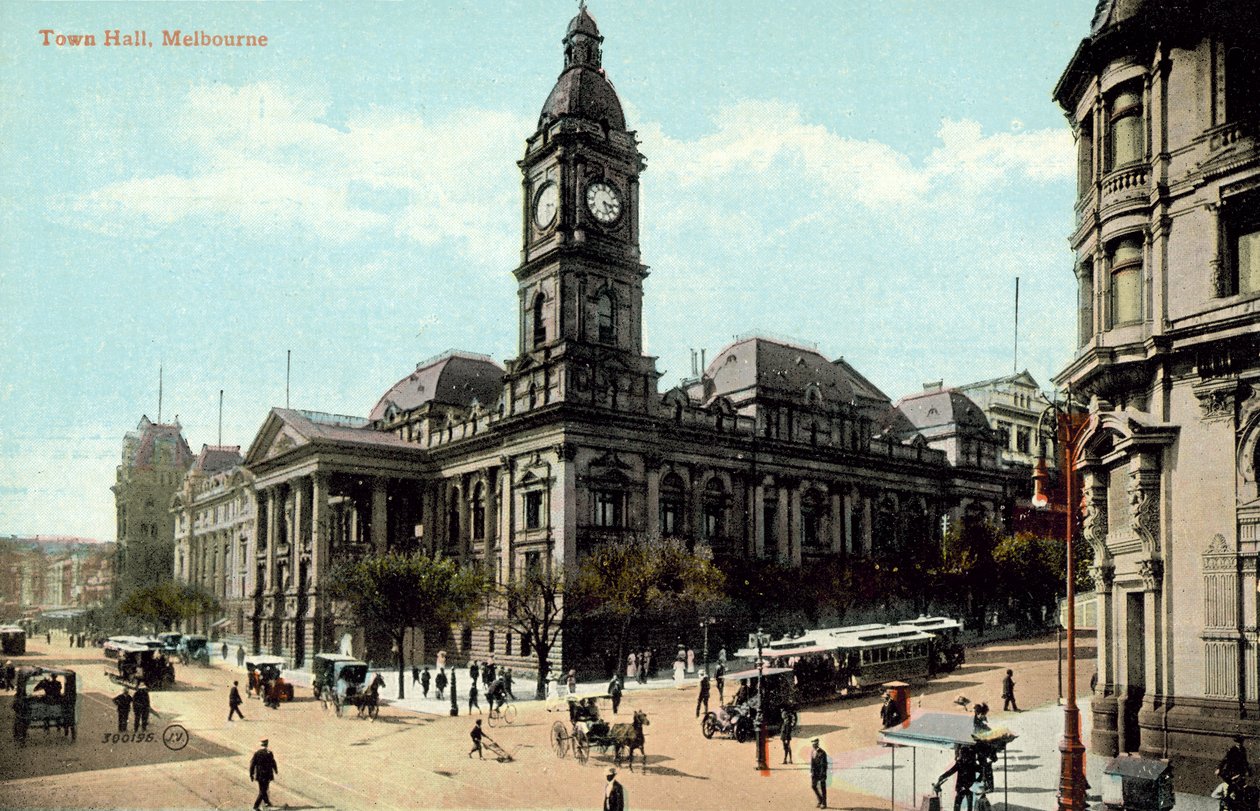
(220, 623)
(943, 730)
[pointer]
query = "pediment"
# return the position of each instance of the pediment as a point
(285, 440)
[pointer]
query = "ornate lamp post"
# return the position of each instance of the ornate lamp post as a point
(1069, 426)
(704, 626)
(762, 640)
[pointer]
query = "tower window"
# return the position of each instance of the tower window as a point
(1126, 142)
(1084, 157)
(1085, 292)
(606, 327)
(1126, 281)
(540, 326)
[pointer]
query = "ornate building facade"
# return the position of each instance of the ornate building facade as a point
(773, 452)
(1164, 99)
(214, 534)
(155, 457)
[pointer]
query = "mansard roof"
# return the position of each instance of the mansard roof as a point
(453, 378)
(156, 443)
(943, 411)
(778, 368)
(217, 458)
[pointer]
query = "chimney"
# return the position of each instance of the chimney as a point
(934, 385)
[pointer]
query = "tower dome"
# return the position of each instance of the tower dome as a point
(583, 91)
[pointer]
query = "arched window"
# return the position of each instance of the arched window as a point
(672, 498)
(539, 325)
(1126, 281)
(1127, 134)
(714, 510)
(606, 332)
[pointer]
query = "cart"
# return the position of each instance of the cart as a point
(586, 729)
(495, 748)
(57, 709)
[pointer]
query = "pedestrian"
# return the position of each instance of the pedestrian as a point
(472, 697)
(632, 666)
(572, 682)
(818, 773)
(1234, 765)
(234, 702)
(1008, 692)
(476, 736)
(425, 678)
(122, 702)
(263, 769)
(140, 709)
(440, 683)
(614, 794)
(965, 769)
(415, 674)
(722, 656)
(507, 683)
(488, 674)
(786, 728)
(240, 656)
(703, 698)
(890, 713)
(614, 692)
(48, 637)
(473, 671)
(225, 651)
(680, 666)
(691, 661)
(719, 680)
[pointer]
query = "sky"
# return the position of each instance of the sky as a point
(869, 177)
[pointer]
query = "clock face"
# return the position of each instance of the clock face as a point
(603, 201)
(546, 204)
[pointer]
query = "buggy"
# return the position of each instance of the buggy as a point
(58, 706)
(136, 664)
(195, 649)
(268, 670)
(738, 719)
(587, 729)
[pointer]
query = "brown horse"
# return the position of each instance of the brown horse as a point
(630, 737)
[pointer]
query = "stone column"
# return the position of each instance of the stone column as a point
(797, 538)
(653, 501)
(866, 525)
(835, 523)
(784, 551)
(849, 496)
(563, 500)
(273, 536)
(491, 519)
(507, 521)
(758, 518)
(380, 521)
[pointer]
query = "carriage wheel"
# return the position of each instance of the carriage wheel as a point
(581, 747)
(742, 732)
(709, 724)
(559, 739)
(493, 715)
(508, 712)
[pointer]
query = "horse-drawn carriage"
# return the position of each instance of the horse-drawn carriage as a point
(588, 729)
(194, 648)
(58, 706)
(265, 679)
(135, 664)
(366, 700)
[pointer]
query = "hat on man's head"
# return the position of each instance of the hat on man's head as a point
(611, 771)
(263, 741)
(813, 740)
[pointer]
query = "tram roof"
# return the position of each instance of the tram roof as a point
(754, 672)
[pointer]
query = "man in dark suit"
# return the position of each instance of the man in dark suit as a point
(965, 769)
(234, 702)
(614, 794)
(123, 702)
(263, 769)
(140, 708)
(818, 773)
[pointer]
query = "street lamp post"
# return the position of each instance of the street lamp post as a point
(762, 639)
(704, 626)
(1069, 426)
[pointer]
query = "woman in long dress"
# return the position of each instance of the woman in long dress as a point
(632, 666)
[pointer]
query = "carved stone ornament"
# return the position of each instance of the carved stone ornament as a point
(610, 460)
(566, 451)
(1144, 508)
(1217, 402)
(1218, 546)
(1104, 577)
(1151, 570)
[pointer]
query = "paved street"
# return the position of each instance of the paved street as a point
(415, 754)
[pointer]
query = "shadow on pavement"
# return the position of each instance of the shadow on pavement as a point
(816, 730)
(1015, 655)
(95, 746)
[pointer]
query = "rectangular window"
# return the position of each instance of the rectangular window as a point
(609, 509)
(1126, 281)
(1004, 434)
(1085, 294)
(1023, 440)
(533, 509)
(1242, 83)
(1085, 158)
(712, 521)
(1242, 227)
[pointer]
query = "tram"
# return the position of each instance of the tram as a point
(12, 640)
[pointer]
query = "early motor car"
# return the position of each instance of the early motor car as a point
(135, 664)
(47, 697)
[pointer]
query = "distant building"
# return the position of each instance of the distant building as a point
(1013, 405)
(215, 515)
(155, 457)
(44, 572)
(1164, 99)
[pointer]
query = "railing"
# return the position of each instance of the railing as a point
(1124, 180)
(1229, 134)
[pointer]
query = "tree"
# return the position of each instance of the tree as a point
(396, 592)
(633, 577)
(535, 611)
(163, 604)
(967, 571)
(1034, 567)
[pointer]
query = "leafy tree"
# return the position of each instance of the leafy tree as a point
(163, 604)
(396, 592)
(967, 571)
(1034, 566)
(535, 611)
(634, 577)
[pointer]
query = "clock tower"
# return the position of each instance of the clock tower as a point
(580, 281)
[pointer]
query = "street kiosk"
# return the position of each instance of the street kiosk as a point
(946, 731)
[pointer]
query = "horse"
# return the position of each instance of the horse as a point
(630, 737)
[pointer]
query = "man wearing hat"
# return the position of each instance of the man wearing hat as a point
(263, 768)
(614, 794)
(818, 772)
